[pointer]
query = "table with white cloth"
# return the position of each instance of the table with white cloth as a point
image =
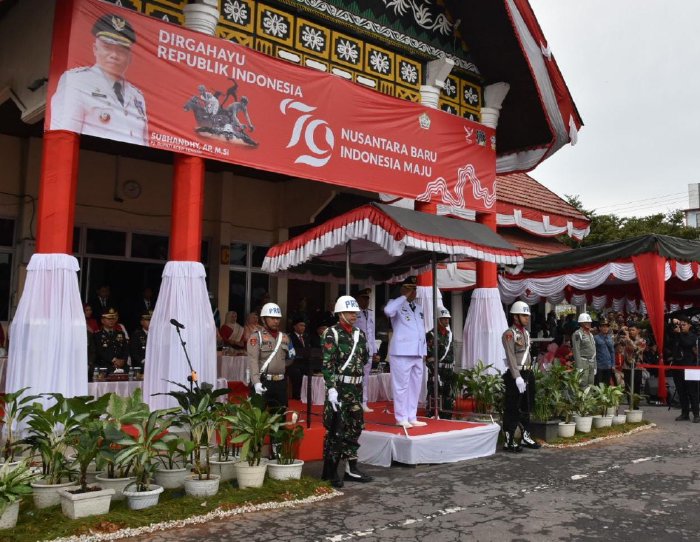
(233, 368)
(127, 387)
(379, 388)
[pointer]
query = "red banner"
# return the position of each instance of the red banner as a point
(140, 80)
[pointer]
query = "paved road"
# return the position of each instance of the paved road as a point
(644, 487)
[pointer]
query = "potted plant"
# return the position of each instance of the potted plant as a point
(544, 423)
(252, 425)
(48, 430)
(584, 405)
(616, 395)
(15, 483)
(16, 407)
(485, 387)
(121, 412)
(202, 423)
(223, 462)
(287, 466)
(564, 409)
(634, 415)
(173, 469)
(142, 451)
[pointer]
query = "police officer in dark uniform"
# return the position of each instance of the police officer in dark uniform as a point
(137, 342)
(519, 380)
(111, 345)
(686, 353)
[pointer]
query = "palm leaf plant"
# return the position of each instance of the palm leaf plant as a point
(178, 452)
(142, 450)
(16, 407)
(202, 423)
(15, 483)
(287, 436)
(252, 425)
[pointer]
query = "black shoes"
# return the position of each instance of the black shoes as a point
(353, 474)
(696, 418)
(529, 442)
(683, 417)
(330, 473)
(510, 445)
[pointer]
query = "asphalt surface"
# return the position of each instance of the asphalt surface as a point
(642, 487)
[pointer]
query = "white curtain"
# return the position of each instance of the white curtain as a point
(483, 329)
(183, 296)
(424, 299)
(48, 336)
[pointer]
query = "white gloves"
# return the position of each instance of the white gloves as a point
(333, 399)
(595, 371)
(520, 383)
(259, 388)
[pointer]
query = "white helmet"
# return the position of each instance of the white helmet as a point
(584, 318)
(271, 309)
(346, 303)
(520, 307)
(444, 313)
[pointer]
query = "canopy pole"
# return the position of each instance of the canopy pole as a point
(348, 254)
(436, 363)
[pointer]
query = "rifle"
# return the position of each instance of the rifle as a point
(335, 436)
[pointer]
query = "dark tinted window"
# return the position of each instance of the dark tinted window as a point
(107, 242)
(153, 247)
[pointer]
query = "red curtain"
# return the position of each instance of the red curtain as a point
(650, 270)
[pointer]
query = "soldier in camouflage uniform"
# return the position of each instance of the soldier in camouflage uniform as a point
(445, 367)
(345, 353)
(519, 380)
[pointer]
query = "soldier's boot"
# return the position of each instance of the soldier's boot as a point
(353, 474)
(510, 445)
(527, 440)
(330, 472)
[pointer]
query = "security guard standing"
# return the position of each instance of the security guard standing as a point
(583, 345)
(519, 380)
(365, 321)
(111, 345)
(686, 354)
(137, 341)
(445, 358)
(268, 351)
(98, 100)
(345, 353)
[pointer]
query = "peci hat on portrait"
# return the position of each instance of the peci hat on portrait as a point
(110, 314)
(114, 29)
(410, 282)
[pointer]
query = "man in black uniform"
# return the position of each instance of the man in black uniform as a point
(686, 350)
(111, 346)
(298, 368)
(137, 342)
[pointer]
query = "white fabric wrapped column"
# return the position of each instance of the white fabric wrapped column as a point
(424, 298)
(184, 297)
(485, 324)
(48, 336)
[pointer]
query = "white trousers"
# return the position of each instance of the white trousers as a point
(406, 383)
(365, 382)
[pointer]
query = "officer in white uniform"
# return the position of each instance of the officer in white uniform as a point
(365, 322)
(406, 351)
(98, 100)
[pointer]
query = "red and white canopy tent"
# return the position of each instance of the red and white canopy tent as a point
(388, 243)
(379, 243)
(658, 270)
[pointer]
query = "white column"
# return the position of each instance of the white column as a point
(457, 323)
(202, 16)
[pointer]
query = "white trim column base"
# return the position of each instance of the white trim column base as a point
(183, 297)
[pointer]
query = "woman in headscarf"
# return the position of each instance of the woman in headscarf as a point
(232, 332)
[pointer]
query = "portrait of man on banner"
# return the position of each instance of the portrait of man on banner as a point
(98, 100)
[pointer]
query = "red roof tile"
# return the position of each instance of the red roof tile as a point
(521, 190)
(531, 245)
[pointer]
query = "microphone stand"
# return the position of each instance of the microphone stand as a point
(190, 378)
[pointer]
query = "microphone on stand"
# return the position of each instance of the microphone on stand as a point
(176, 323)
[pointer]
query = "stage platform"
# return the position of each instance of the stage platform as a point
(441, 441)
